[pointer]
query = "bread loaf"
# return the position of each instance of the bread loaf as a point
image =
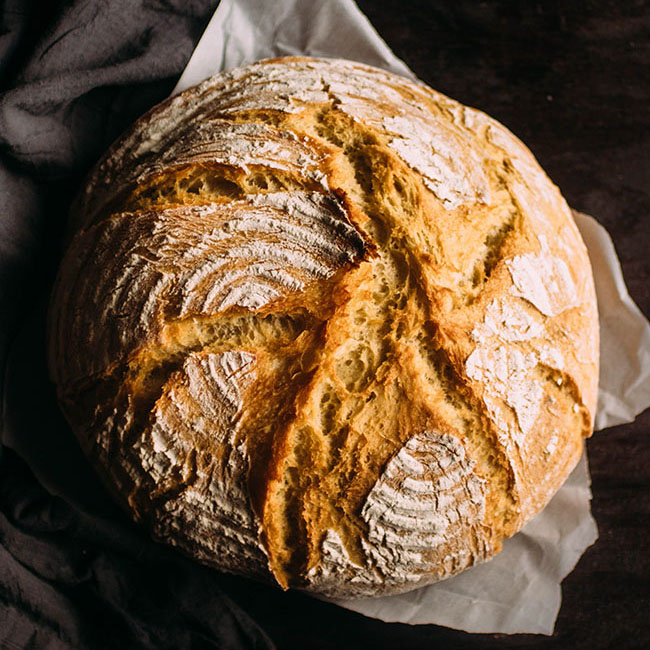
(325, 327)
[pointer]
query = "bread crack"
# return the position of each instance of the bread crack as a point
(200, 184)
(390, 317)
(150, 369)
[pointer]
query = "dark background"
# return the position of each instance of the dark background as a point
(571, 79)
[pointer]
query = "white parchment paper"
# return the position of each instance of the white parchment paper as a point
(519, 590)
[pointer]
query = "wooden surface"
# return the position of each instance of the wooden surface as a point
(572, 80)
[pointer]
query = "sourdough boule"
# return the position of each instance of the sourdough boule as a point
(323, 326)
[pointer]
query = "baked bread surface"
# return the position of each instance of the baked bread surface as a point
(326, 327)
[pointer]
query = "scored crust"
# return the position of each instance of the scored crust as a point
(326, 327)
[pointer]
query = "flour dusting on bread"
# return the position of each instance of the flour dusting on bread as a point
(323, 326)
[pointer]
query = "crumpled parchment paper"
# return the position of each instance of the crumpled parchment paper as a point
(519, 590)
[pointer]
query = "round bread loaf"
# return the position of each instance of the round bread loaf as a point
(323, 326)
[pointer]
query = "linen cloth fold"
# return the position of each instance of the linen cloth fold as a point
(74, 572)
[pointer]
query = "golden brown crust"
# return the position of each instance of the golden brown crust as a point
(332, 329)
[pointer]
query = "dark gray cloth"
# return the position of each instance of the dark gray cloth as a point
(74, 571)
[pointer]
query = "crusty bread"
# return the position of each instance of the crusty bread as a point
(323, 326)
